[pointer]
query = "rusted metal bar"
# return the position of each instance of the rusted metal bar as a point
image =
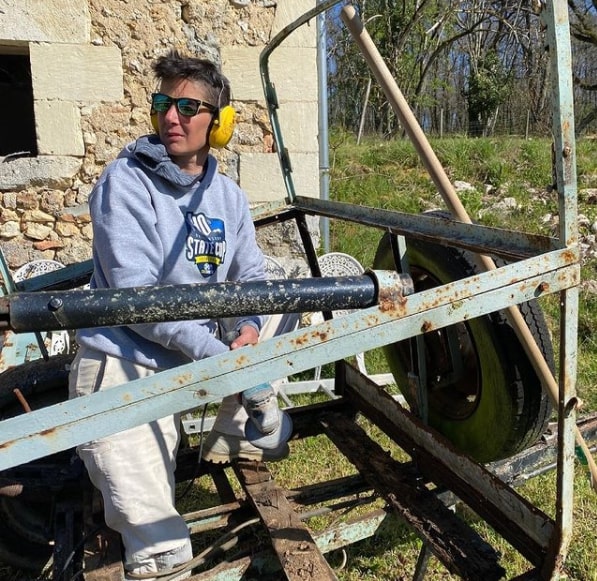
(76, 309)
(73, 422)
(269, 89)
(296, 549)
(474, 237)
(526, 527)
(542, 457)
(453, 542)
(22, 399)
(70, 276)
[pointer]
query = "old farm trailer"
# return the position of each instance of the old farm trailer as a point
(428, 322)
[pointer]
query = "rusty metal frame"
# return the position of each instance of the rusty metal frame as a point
(545, 266)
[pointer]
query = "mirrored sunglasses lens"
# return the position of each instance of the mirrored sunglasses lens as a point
(188, 107)
(161, 103)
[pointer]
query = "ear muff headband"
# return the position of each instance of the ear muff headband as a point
(221, 130)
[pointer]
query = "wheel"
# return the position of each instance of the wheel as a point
(26, 535)
(482, 391)
(42, 383)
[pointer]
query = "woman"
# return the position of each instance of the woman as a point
(162, 214)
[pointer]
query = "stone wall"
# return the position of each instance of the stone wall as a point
(91, 76)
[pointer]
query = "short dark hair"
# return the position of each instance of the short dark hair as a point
(173, 65)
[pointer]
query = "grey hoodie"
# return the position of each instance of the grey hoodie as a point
(155, 225)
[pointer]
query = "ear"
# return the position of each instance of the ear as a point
(223, 127)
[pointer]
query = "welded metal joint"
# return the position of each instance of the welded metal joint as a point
(392, 289)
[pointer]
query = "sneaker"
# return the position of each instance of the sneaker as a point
(131, 576)
(162, 563)
(223, 448)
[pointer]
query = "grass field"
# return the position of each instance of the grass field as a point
(509, 186)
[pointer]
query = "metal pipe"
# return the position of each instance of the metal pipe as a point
(75, 309)
(323, 134)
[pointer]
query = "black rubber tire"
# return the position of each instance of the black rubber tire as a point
(41, 382)
(26, 536)
(494, 406)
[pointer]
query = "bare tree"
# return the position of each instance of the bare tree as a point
(583, 26)
(455, 62)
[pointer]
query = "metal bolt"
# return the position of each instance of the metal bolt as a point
(55, 304)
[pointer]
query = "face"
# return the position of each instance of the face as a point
(186, 138)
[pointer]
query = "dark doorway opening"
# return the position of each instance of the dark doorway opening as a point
(17, 120)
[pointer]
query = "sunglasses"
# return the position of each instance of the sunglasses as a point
(186, 106)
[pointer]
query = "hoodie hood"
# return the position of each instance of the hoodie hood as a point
(151, 153)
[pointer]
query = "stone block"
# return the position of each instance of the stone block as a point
(75, 72)
(58, 128)
(286, 13)
(10, 230)
(37, 231)
(293, 71)
(299, 126)
(261, 176)
(45, 171)
(45, 21)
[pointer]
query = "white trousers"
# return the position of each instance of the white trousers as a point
(134, 469)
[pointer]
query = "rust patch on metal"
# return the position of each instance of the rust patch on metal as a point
(241, 360)
(48, 432)
(5, 342)
(569, 256)
(392, 301)
(372, 320)
(320, 335)
(574, 277)
(302, 340)
(426, 327)
(543, 287)
(184, 378)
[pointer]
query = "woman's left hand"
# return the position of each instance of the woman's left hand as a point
(248, 335)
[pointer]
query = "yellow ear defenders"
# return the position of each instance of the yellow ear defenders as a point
(222, 127)
(221, 130)
(153, 115)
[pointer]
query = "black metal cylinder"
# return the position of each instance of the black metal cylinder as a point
(76, 309)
